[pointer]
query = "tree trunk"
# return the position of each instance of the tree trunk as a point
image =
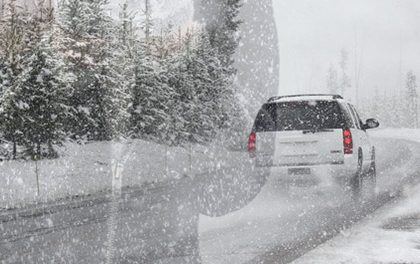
(14, 149)
(38, 151)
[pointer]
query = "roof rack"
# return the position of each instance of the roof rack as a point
(275, 98)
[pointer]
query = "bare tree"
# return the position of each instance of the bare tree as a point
(147, 24)
(2, 5)
(345, 82)
(412, 100)
(332, 80)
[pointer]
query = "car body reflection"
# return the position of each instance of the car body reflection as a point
(162, 226)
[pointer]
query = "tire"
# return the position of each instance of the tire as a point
(356, 182)
(372, 169)
(371, 175)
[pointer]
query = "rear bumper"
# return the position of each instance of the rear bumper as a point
(339, 170)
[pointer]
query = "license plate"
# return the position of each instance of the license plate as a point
(300, 171)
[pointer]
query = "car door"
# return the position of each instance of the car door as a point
(363, 137)
(355, 128)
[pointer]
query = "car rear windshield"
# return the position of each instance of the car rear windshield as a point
(301, 115)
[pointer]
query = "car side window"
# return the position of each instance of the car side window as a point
(349, 120)
(356, 115)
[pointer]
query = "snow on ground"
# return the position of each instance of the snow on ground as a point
(277, 217)
(402, 133)
(390, 235)
(397, 156)
(270, 200)
(87, 169)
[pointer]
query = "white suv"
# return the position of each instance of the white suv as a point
(303, 135)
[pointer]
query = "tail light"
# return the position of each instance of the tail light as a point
(347, 141)
(252, 144)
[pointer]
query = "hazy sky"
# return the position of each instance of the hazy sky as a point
(313, 32)
(385, 34)
(176, 12)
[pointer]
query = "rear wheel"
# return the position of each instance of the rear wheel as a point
(371, 175)
(356, 182)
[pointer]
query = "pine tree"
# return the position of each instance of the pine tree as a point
(145, 93)
(149, 111)
(154, 102)
(99, 98)
(14, 42)
(222, 34)
(13, 28)
(75, 49)
(224, 39)
(125, 55)
(12, 31)
(188, 77)
(39, 20)
(126, 29)
(205, 105)
(165, 44)
(6, 77)
(34, 108)
(6, 80)
(195, 93)
(172, 129)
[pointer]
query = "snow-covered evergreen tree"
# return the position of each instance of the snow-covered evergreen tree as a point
(195, 90)
(172, 129)
(221, 37)
(223, 34)
(165, 44)
(147, 24)
(176, 91)
(34, 108)
(146, 97)
(125, 53)
(15, 41)
(12, 41)
(126, 30)
(149, 112)
(6, 76)
(99, 97)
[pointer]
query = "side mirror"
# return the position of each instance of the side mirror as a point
(371, 123)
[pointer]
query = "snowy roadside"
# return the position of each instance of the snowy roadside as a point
(85, 170)
(390, 235)
(397, 133)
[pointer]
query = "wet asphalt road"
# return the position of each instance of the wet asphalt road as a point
(259, 222)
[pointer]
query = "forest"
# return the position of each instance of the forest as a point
(76, 73)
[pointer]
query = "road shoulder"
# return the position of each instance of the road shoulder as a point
(390, 235)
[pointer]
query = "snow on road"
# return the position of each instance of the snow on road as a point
(390, 235)
(403, 133)
(278, 227)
